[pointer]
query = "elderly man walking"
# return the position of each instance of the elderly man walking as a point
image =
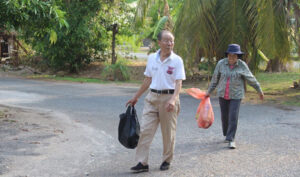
(164, 74)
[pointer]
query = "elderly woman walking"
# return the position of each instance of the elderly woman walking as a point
(229, 76)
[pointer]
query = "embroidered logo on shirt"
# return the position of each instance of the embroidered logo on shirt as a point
(170, 70)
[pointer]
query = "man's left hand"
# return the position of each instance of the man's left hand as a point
(170, 105)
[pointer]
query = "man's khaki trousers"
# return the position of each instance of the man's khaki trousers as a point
(154, 113)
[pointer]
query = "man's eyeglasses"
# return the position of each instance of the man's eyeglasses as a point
(167, 41)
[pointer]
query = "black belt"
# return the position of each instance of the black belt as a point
(163, 91)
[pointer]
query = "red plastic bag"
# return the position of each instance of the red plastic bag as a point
(205, 113)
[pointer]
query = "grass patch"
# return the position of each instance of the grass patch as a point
(81, 79)
(68, 78)
(10, 121)
(277, 88)
(2, 114)
(277, 81)
(73, 79)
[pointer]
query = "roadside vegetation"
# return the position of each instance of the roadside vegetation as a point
(61, 39)
(81, 79)
(277, 87)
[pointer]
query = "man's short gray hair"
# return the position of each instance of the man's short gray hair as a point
(159, 36)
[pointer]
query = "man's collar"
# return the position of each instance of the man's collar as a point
(168, 58)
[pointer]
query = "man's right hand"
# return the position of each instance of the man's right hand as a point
(132, 102)
(143, 88)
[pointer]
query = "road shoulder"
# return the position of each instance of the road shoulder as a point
(41, 142)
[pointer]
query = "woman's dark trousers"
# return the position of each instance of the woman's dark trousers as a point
(229, 115)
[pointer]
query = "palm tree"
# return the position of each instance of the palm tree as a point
(273, 33)
(294, 15)
(152, 16)
(162, 19)
(204, 28)
(196, 32)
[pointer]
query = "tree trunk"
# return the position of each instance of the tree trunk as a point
(169, 25)
(276, 65)
(15, 52)
(19, 44)
(297, 26)
(253, 62)
(113, 44)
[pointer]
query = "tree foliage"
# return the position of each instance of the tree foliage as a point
(117, 18)
(204, 28)
(154, 15)
(67, 34)
(76, 44)
(35, 16)
(149, 13)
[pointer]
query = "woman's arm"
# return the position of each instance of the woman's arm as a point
(215, 80)
(252, 80)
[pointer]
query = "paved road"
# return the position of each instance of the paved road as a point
(268, 138)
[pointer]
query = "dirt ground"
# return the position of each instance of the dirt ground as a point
(30, 136)
(35, 141)
(24, 133)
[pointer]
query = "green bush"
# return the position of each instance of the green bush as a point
(129, 43)
(77, 44)
(118, 71)
(203, 66)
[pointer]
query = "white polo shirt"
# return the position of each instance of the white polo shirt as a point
(164, 74)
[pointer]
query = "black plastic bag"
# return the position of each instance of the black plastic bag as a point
(129, 128)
